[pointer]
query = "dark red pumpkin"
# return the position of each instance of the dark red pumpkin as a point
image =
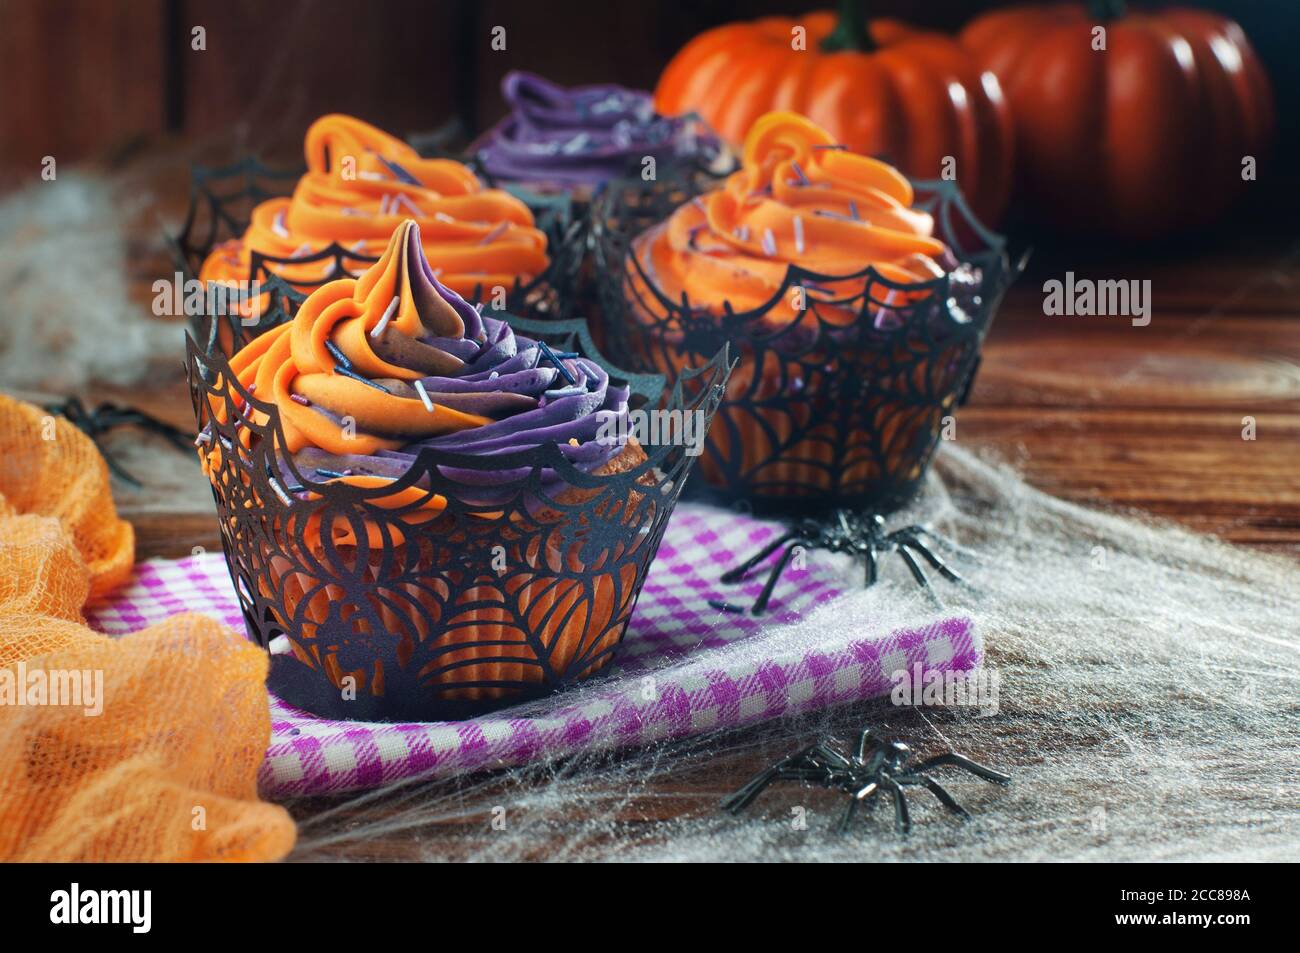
(882, 88)
(1140, 139)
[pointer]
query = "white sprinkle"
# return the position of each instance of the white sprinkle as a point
(383, 322)
(278, 225)
(202, 438)
(409, 203)
(742, 232)
(372, 176)
(350, 211)
(576, 144)
(443, 217)
(279, 491)
(303, 249)
(798, 234)
(493, 235)
(424, 396)
(493, 376)
(383, 205)
(769, 242)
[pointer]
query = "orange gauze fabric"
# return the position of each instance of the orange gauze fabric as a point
(152, 751)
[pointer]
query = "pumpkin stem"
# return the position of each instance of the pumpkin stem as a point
(850, 31)
(1105, 10)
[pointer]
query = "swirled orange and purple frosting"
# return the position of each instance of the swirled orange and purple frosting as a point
(798, 199)
(373, 369)
(360, 184)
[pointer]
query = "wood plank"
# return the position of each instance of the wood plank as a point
(269, 70)
(78, 79)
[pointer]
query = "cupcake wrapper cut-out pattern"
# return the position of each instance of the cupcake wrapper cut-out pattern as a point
(844, 375)
(519, 581)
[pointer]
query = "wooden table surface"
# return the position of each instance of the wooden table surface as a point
(1091, 409)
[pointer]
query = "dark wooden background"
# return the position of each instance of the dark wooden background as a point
(1090, 410)
(92, 79)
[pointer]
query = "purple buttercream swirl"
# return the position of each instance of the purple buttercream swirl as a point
(533, 395)
(585, 135)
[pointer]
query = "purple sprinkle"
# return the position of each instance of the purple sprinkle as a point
(798, 235)
(837, 145)
(339, 356)
(551, 356)
(742, 232)
(299, 399)
(853, 209)
(803, 179)
(769, 242)
(401, 174)
(346, 372)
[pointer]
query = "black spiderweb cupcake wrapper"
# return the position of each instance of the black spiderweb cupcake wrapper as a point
(521, 584)
(821, 414)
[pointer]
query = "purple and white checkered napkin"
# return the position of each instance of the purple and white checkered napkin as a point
(710, 669)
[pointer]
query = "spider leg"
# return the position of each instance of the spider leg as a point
(920, 530)
(760, 604)
(961, 761)
(830, 754)
(946, 799)
(741, 799)
(902, 817)
(941, 566)
(917, 572)
(860, 796)
(741, 571)
(873, 569)
(847, 817)
(863, 739)
(793, 767)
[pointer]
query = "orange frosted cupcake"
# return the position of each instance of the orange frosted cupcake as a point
(360, 184)
(816, 265)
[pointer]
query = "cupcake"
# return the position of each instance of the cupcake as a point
(377, 473)
(575, 140)
(855, 325)
(360, 184)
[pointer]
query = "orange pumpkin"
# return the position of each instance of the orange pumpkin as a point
(881, 88)
(1137, 140)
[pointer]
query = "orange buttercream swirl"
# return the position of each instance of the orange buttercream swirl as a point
(799, 198)
(360, 184)
(330, 358)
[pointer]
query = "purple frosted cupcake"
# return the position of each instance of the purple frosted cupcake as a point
(576, 139)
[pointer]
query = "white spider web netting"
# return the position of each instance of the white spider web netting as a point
(1148, 710)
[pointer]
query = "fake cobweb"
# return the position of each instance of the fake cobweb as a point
(71, 314)
(1148, 710)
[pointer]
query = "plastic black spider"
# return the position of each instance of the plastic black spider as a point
(846, 532)
(877, 765)
(97, 422)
